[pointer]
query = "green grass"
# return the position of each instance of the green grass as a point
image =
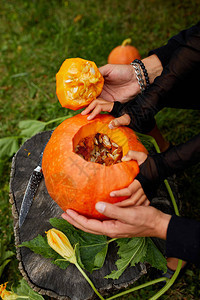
(37, 36)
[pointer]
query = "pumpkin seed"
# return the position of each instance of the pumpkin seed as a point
(100, 139)
(115, 145)
(99, 149)
(115, 152)
(111, 156)
(106, 141)
(92, 70)
(75, 89)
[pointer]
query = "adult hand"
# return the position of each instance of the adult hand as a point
(138, 221)
(134, 191)
(120, 82)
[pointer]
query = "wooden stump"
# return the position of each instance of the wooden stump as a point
(40, 273)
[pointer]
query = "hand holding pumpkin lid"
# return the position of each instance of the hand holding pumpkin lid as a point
(78, 83)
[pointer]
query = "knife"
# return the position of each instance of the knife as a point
(31, 189)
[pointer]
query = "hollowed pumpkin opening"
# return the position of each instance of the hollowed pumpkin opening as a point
(98, 144)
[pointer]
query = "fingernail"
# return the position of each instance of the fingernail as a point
(89, 117)
(124, 158)
(100, 206)
(110, 126)
(112, 194)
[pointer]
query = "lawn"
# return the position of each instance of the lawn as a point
(37, 36)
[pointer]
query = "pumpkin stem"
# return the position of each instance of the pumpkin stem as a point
(126, 42)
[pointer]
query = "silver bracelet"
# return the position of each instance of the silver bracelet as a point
(138, 74)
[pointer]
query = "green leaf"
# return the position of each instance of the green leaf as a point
(3, 265)
(4, 257)
(8, 146)
(3, 253)
(31, 127)
(131, 251)
(92, 249)
(154, 257)
(24, 290)
(39, 245)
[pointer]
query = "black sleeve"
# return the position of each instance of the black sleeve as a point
(158, 167)
(183, 65)
(183, 239)
(165, 52)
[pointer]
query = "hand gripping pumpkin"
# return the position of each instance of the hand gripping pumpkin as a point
(78, 82)
(82, 163)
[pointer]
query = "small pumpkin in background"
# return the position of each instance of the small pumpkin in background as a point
(124, 54)
(76, 183)
(78, 83)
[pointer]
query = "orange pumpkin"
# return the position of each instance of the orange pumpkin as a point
(123, 54)
(78, 184)
(78, 82)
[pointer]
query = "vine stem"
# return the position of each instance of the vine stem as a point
(138, 288)
(112, 240)
(58, 119)
(89, 281)
(169, 282)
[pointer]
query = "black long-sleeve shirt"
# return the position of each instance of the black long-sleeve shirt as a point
(178, 86)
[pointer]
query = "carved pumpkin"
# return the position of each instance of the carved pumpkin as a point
(78, 82)
(123, 54)
(78, 184)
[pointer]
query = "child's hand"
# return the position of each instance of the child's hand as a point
(96, 106)
(134, 191)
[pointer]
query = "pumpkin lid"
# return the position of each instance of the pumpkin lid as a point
(78, 83)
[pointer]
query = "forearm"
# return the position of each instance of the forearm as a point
(165, 52)
(178, 158)
(158, 167)
(161, 224)
(183, 239)
(184, 64)
(153, 66)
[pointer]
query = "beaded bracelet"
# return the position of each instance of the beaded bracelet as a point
(146, 76)
(138, 74)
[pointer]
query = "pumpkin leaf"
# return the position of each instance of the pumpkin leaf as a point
(131, 251)
(91, 250)
(8, 146)
(31, 127)
(39, 245)
(134, 250)
(154, 257)
(23, 290)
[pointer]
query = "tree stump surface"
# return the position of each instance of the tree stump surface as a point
(43, 276)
